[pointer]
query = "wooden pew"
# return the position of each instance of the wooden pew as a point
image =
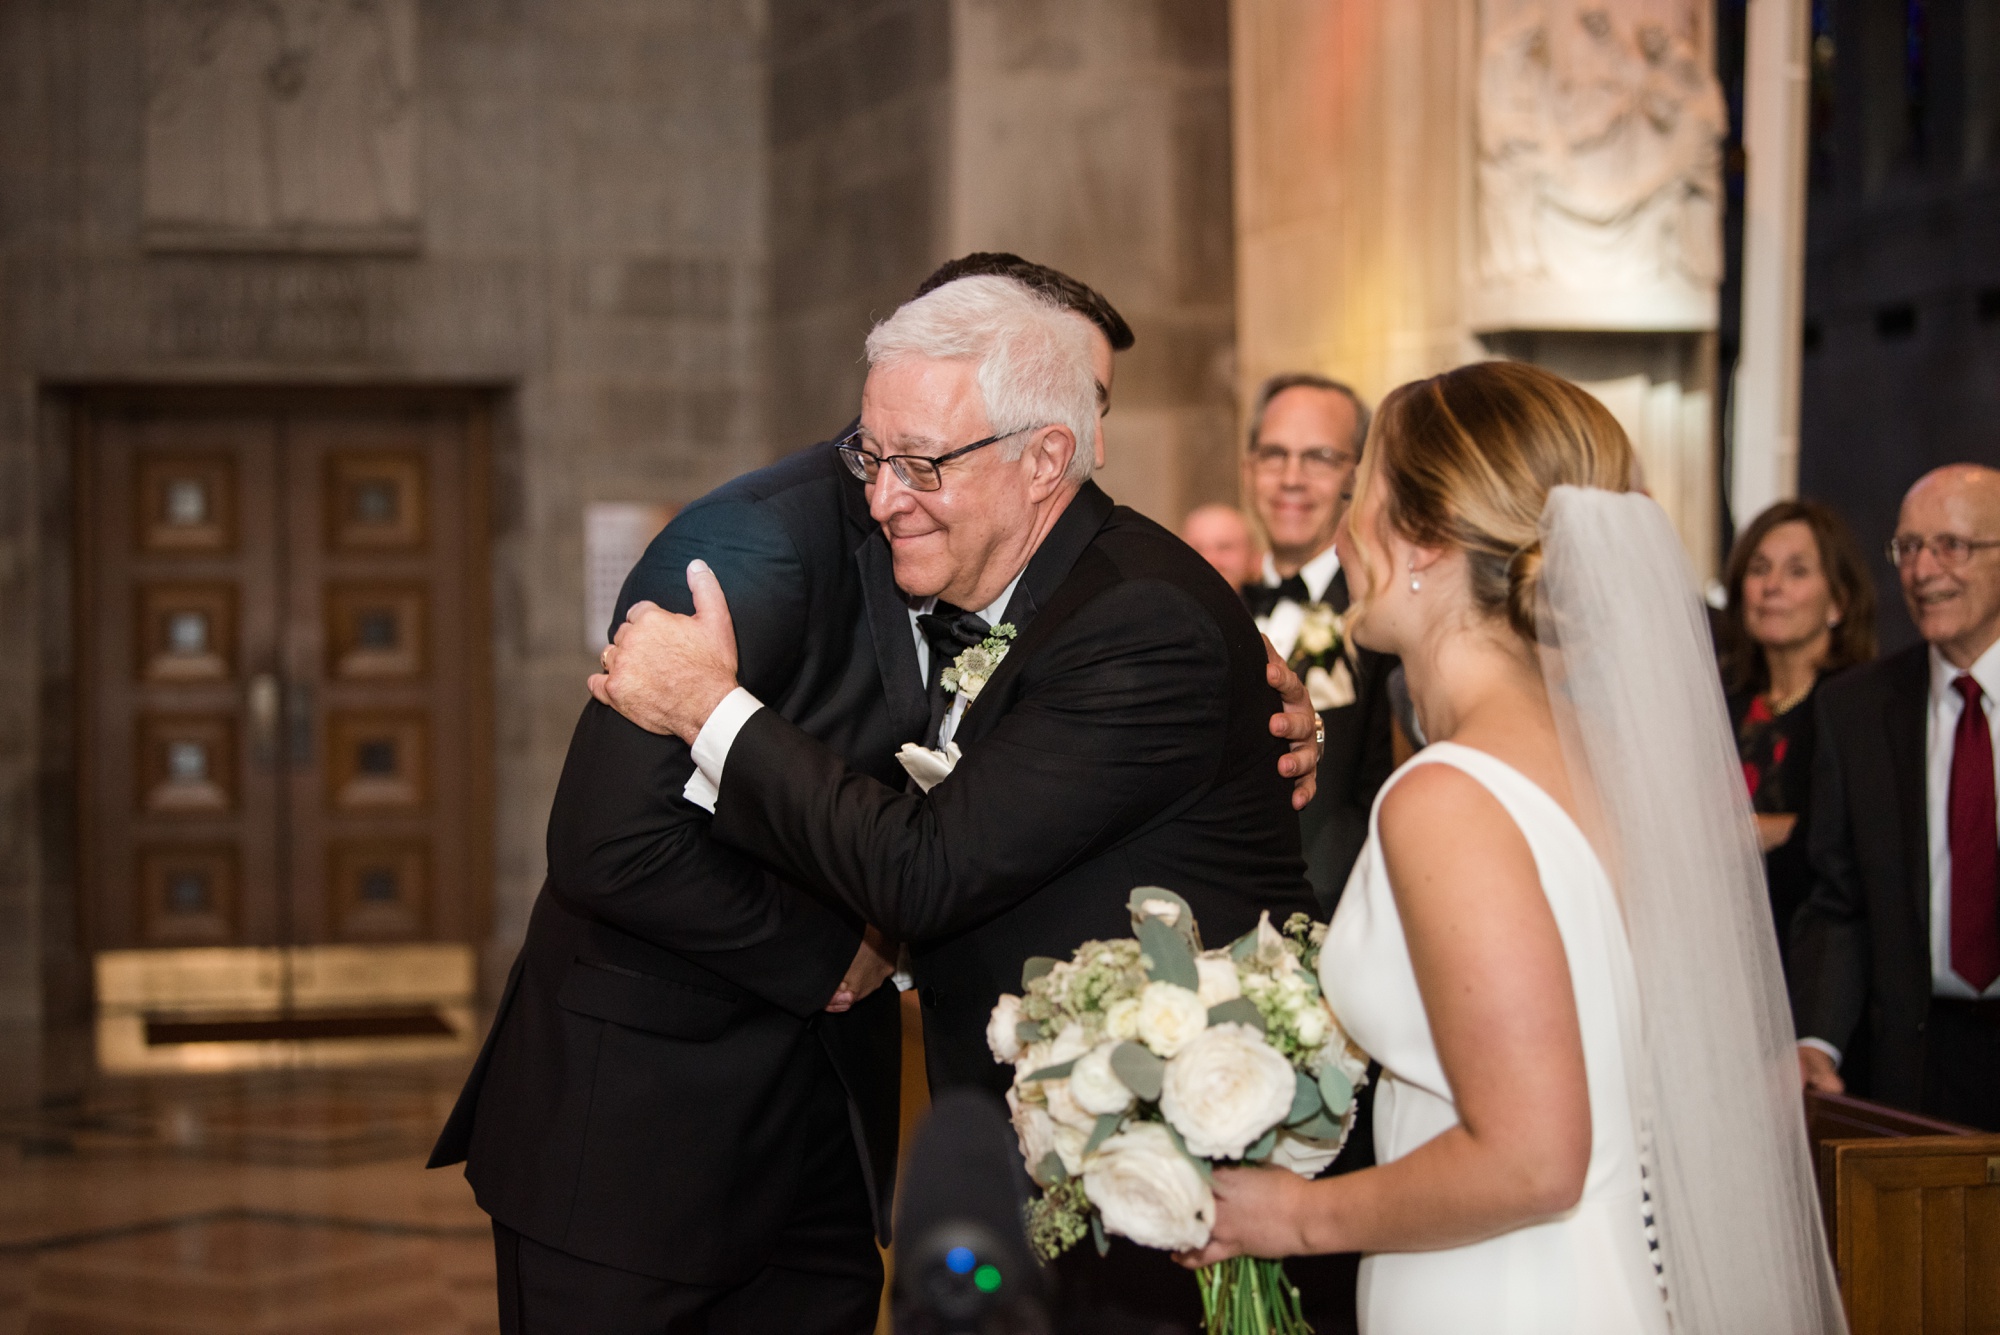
(1912, 1208)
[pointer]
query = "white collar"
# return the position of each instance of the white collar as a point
(1317, 573)
(1985, 670)
(990, 614)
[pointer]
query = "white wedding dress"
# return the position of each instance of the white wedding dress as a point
(1590, 1271)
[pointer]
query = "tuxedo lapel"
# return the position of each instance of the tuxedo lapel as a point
(1903, 719)
(1336, 591)
(888, 620)
(1035, 597)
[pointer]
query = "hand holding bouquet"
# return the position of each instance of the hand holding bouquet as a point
(1140, 1064)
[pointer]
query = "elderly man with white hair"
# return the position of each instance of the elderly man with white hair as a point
(1100, 697)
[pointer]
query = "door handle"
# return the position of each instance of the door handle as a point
(263, 702)
(299, 724)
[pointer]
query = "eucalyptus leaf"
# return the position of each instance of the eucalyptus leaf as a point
(1026, 1032)
(1200, 1165)
(1183, 923)
(1139, 1069)
(1237, 1010)
(1100, 1133)
(1050, 1171)
(1336, 1089)
(1056, 1072)
(1261, 1150)
(1317, 1127)
(1172, 961)
(1305, 1099)
(1035, 966)
(1097, 1234)
(1243, 947)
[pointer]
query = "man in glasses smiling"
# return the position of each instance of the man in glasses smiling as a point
(1100, 697)
(1898, 1005)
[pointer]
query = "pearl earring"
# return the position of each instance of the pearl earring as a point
(1415, 584)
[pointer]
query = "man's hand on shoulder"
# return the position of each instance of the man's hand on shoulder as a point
(1299, 724)
(666, 672)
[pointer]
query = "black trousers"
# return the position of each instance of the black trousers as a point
(1962, 1062)
(824, 1276)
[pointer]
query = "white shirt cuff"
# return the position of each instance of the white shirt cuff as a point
(711, 747)
(1821, 1045)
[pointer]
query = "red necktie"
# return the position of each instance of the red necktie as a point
(1975, 845)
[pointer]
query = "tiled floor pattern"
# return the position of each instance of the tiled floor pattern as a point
(274, 1203)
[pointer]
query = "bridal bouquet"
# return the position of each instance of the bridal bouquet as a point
(1142, 1064)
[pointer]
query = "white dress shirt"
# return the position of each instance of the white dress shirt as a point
(1283, 623)
(1940, 733)
(712, 743)
(1941, 730)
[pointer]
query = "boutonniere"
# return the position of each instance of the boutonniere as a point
(1320, 656)
(968, 673)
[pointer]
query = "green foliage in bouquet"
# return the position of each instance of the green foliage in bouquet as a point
(1141, 1064)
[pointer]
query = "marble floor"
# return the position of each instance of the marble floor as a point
(280, 1202)
(275, 1202)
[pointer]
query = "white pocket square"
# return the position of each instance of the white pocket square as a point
(1330, 690)
(926, 766)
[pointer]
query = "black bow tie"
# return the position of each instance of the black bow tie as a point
(950, 629)
(1264, 597)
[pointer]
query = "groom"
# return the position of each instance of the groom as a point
(1123, 739)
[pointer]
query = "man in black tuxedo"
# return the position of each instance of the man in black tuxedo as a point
(685, 1114)
(1900, 929)
(1306, 434)
(1123, 739)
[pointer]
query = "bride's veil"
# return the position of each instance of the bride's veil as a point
(1625, 652)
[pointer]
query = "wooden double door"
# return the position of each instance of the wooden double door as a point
(285, 718)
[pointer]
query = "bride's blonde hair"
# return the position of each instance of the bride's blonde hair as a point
(1467, 459)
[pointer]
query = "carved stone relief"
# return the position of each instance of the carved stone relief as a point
(1599, 165)
(281, 124)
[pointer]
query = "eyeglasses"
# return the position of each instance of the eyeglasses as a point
(918, 472)
(1320, 462)
(1950, 550)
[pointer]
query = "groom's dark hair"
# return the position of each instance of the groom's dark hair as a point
(1054, 284)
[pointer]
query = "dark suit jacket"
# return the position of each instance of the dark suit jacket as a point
(638, 1099)
(1124, 741)
(1359, 758)
(1860, 946)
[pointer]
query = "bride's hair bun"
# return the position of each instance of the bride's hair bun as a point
(1524, 582)
(1468, 458)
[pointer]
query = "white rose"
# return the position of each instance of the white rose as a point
(1169, 1017)
(1121, 1019)
(1003, 1029)
(1303, 1155)
(1310, 1026)
(1064, 1108)
(1217, 973)
(1069, 1148)
(1068, 1045)
(1146, 1190)
(1034, 1129)
(1225, 1089)
(1095, 1086)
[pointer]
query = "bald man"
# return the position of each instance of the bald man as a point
(1896, 954)
(1222, 536)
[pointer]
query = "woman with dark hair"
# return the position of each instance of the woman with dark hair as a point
(1801, 606)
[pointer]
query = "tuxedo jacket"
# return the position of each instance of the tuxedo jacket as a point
(637, 1102)
(1860, 945)
(1123, 741)
(1358, 759)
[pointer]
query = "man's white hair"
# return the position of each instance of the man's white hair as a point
(1031, 357)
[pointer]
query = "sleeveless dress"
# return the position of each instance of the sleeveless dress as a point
(1589, 1271)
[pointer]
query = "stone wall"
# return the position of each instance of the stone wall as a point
(589, 242)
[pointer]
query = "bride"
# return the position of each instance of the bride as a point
(1556, 941)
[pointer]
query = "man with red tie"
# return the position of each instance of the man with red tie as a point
(1896, 955)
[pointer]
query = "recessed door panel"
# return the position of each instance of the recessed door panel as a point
(285, 718)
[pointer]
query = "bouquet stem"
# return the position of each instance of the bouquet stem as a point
(1247, 1295)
